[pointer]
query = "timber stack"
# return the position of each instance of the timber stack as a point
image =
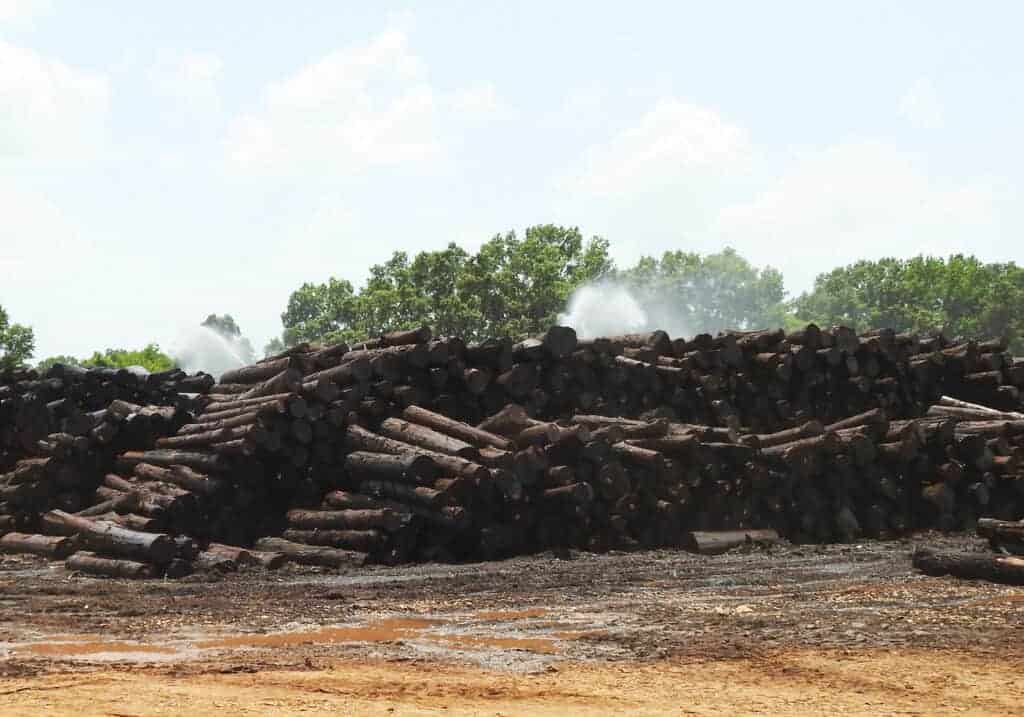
(408, 447)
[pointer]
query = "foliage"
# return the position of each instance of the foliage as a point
(47, 363)
(320, 312)
(228, 328)
(149, 357)
(275, 346)
(687, 293)
(17, 343)
(960, 296)
(511, 286)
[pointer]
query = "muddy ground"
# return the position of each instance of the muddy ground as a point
(790, 630)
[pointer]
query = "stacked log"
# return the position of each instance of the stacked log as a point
(407, 447)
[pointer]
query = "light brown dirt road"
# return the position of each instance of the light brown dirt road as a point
(801, 683)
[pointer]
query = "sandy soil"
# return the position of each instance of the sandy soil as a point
(797, 630)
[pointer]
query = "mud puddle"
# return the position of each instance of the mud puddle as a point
(499, 630)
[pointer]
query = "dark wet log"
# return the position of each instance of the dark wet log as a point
(676, 445)
(259, 372)
(312, 555)
(1008, 570)
(352, 370)
(114, 540)
(403, 493)
(92, 564)
(427, 438)
(806, 430)
(519, 380)
(50, 546)
(344, 500)
(208, 438)
(287, 381)
(657, 340)
(559, 341)
(462, 431)
(202, 462)
(244, 556)
(132, 521)
(875, 419)
(550, 433)
(718, 542)
(360, 439)
(408, 467)
(383, 519)
(184, 477)
(1002, 533)
(212, 561)
(125, 503)
(509, 421)
(826, 443)
(363, 541)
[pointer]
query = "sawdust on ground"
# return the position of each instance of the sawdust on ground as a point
(798, 683)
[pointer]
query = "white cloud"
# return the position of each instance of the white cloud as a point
(191, 81)
(22, 10)
(477, 103)
(859, 200)
(356, 108)
(675, 140)
(921, 106)
(49, 111)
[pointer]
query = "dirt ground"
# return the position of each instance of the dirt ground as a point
(790, 630)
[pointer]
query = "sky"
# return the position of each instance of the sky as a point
(163, 161)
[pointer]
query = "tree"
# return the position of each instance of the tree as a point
(960, 296)
(17, 343)
(686, 293)
(48, 363)
(149, 357)
(228, 329)
(511, 286)
(320, 312)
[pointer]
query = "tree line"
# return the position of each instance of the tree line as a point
(518, 285)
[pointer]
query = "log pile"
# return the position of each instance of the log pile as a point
(408, 447)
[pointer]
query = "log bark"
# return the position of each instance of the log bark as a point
(718, 542)
(312, 555)
(457, 429)
(1008, 570)
(408, 467)
(111, 539)
(50, 546)
(370, 519)
(427, 438)
(90, 563)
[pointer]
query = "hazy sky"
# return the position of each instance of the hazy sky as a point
(161, 161)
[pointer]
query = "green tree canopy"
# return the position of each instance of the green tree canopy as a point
(513, 285)
(17, 343)
(47, 363)
(686, 293)
(150, 357)
(960, 296)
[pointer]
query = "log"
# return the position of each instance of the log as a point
(360, 439)
(427, 438)
(412, 467)
(202, 462)
(363, 541)
(369, 519)
(474, 436)
(111, 539)
(718, 542)
(312, 555)
(50, 546)
(90, 563)
(1008, 570)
